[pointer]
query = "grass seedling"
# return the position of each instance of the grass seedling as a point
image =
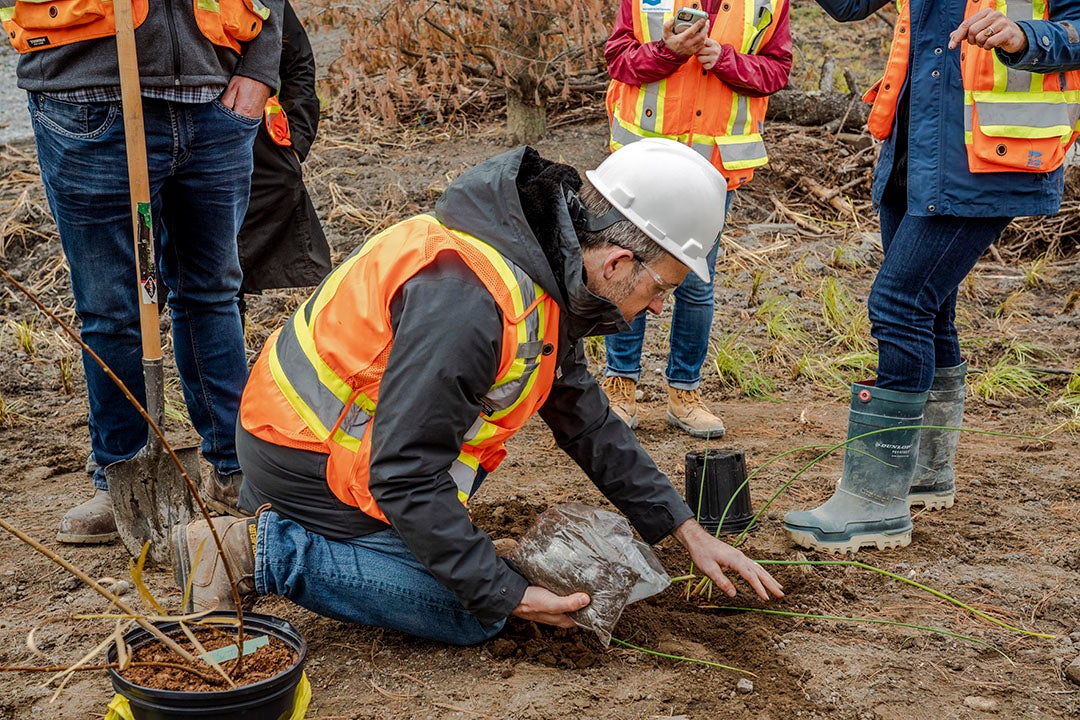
(1009, 377)
(737, 365)
(1035, 272)
(66, 366)
(845, 318)
(24, 335)
(175, 407)
(782, 326)
(925, 588)
(1011, 307)
(680, 658)
(9, 413)
(1069, 406)
(755, 287)
(844, 618)
(595, 350)
(1071, 301)
(836, 373)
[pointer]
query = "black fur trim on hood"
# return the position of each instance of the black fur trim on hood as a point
(542, 187)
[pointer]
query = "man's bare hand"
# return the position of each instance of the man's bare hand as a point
(544, 606)
(245, 96)
(689, 41)
(712, 556)
(709, 55)
(990, 29)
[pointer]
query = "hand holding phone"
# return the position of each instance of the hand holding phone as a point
(686, 17)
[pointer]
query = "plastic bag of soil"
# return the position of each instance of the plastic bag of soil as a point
(577, 548)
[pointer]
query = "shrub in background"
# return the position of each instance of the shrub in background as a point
(428, 62)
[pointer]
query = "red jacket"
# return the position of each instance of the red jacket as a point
(752, 75)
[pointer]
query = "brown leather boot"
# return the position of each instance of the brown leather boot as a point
(91, 523)
(197, 562)
(221, 493)
(686, 410)
(622, 396)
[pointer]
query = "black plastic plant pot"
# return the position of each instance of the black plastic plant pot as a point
(712, 477)
(270, 699)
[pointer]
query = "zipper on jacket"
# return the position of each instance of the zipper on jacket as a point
(175, 41)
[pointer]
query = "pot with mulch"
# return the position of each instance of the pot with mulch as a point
(269, 677)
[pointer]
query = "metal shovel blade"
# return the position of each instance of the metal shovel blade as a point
(148, 490)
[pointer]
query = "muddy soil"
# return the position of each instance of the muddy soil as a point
(1010, 547)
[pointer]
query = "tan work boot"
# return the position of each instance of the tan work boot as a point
(686, 410)
(221, 493)
(622, 396)
(91, 523)
(196, 561)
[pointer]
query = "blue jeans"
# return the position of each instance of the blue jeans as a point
(691, 325)
(199, 162)
(912, 304)
(369, 580)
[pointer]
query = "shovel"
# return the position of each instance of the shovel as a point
(148, 490)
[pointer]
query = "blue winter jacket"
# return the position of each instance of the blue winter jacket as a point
(938, 181)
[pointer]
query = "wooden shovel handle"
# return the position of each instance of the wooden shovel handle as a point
(138, 180)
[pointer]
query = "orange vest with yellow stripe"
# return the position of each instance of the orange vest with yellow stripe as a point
(1014, 120)
(692, 105)
(277, 122)
(41, 24)
(315, 387)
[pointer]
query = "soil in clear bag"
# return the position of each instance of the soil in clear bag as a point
(578, 548)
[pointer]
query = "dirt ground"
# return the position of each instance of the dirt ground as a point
(1010, 547)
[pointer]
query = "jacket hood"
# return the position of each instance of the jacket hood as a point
(516, 202)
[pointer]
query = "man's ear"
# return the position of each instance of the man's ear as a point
(613, 257)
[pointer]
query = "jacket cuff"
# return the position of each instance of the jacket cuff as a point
(1034, 58)
(302, 146)
(663, 52)
(661, 520)
(511, 589)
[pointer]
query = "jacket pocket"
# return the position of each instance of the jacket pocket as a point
(40, 24)
(1029, 135)
(229, 23)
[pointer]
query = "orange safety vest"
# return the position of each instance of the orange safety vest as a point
(316, 387)
(1014, 120)
(277, 124)
(692, 105)
(40, 24)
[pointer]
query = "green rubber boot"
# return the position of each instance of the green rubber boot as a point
(934, 484)
(870, 505)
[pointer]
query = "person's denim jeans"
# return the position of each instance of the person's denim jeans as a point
(691, 325)
(370, 580)
(199, 162)
(912, 304)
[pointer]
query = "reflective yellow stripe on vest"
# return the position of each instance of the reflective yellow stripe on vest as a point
(652, 92)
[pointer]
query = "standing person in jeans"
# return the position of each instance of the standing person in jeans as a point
(976, 111)
(205, 72)
(282, 244)
(705, 85)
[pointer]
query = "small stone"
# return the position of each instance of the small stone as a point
(745, 686)
(1073, 671)
(975, 702)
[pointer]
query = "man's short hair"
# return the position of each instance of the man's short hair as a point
(624, 234)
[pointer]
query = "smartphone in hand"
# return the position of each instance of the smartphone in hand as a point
(686, 17)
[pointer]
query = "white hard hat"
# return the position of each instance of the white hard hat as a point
(673, 194)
